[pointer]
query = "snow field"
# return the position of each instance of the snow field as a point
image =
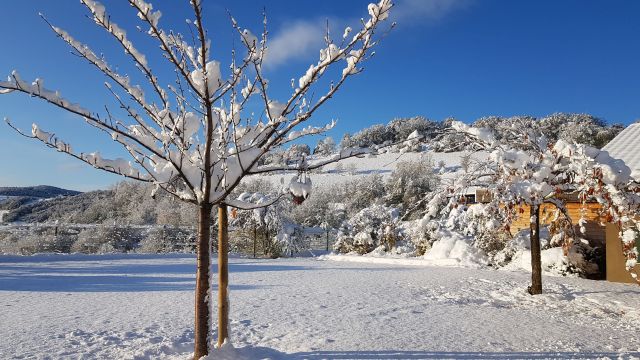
(141, 307)
(383, 164)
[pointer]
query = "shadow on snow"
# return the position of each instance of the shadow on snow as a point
(371, 355)
(89, 273)
(268, 353)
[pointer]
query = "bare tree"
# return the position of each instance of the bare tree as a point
(194, 139)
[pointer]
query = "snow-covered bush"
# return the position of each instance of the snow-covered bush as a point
(451, 141)
(325, 146)
(364, 192)
(275, 156)
(10, 243)
(288, 241)
(369, 228)
(578, 128)
(403, 127)
(409, 183)
(419, 233)
(453, 246)
(373, 135)
(296, 152)
(481, 224)
(323, 208)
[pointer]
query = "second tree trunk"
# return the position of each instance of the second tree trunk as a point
(223, 274)
(536, 258)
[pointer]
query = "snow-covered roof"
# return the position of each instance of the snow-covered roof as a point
(626, 147)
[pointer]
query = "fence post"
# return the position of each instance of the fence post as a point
(255, 237)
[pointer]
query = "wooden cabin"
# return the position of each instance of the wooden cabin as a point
(626, 147)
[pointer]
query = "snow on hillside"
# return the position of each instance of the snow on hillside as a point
(141, 307)
(383, 164)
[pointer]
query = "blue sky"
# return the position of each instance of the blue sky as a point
(460, 58)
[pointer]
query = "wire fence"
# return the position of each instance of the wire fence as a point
(28, 238)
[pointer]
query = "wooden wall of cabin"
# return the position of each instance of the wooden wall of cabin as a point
(595, 231)
(616, 269)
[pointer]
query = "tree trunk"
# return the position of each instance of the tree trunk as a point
(223, 274)
(536, 260)
(202, 308)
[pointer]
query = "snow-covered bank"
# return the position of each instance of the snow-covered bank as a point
(389, 260)
(141, 306)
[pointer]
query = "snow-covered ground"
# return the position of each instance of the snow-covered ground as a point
(141, 306)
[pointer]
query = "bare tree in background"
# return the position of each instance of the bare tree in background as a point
(194, 139)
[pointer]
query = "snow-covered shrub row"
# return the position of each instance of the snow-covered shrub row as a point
(573, 128)
(578, 128)
(99, 239)
(37, 240)
(106, 239)
(472, 235)
(370, 205)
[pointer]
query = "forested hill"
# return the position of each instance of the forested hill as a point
(126, 203)
(40, 191)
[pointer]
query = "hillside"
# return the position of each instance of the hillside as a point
(22, 200)
(40, 191)
(48, 204)
(126, 202)
(65, 208)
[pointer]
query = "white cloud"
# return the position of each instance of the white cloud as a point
(414, 11)
(294, 41)
(303, 38)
